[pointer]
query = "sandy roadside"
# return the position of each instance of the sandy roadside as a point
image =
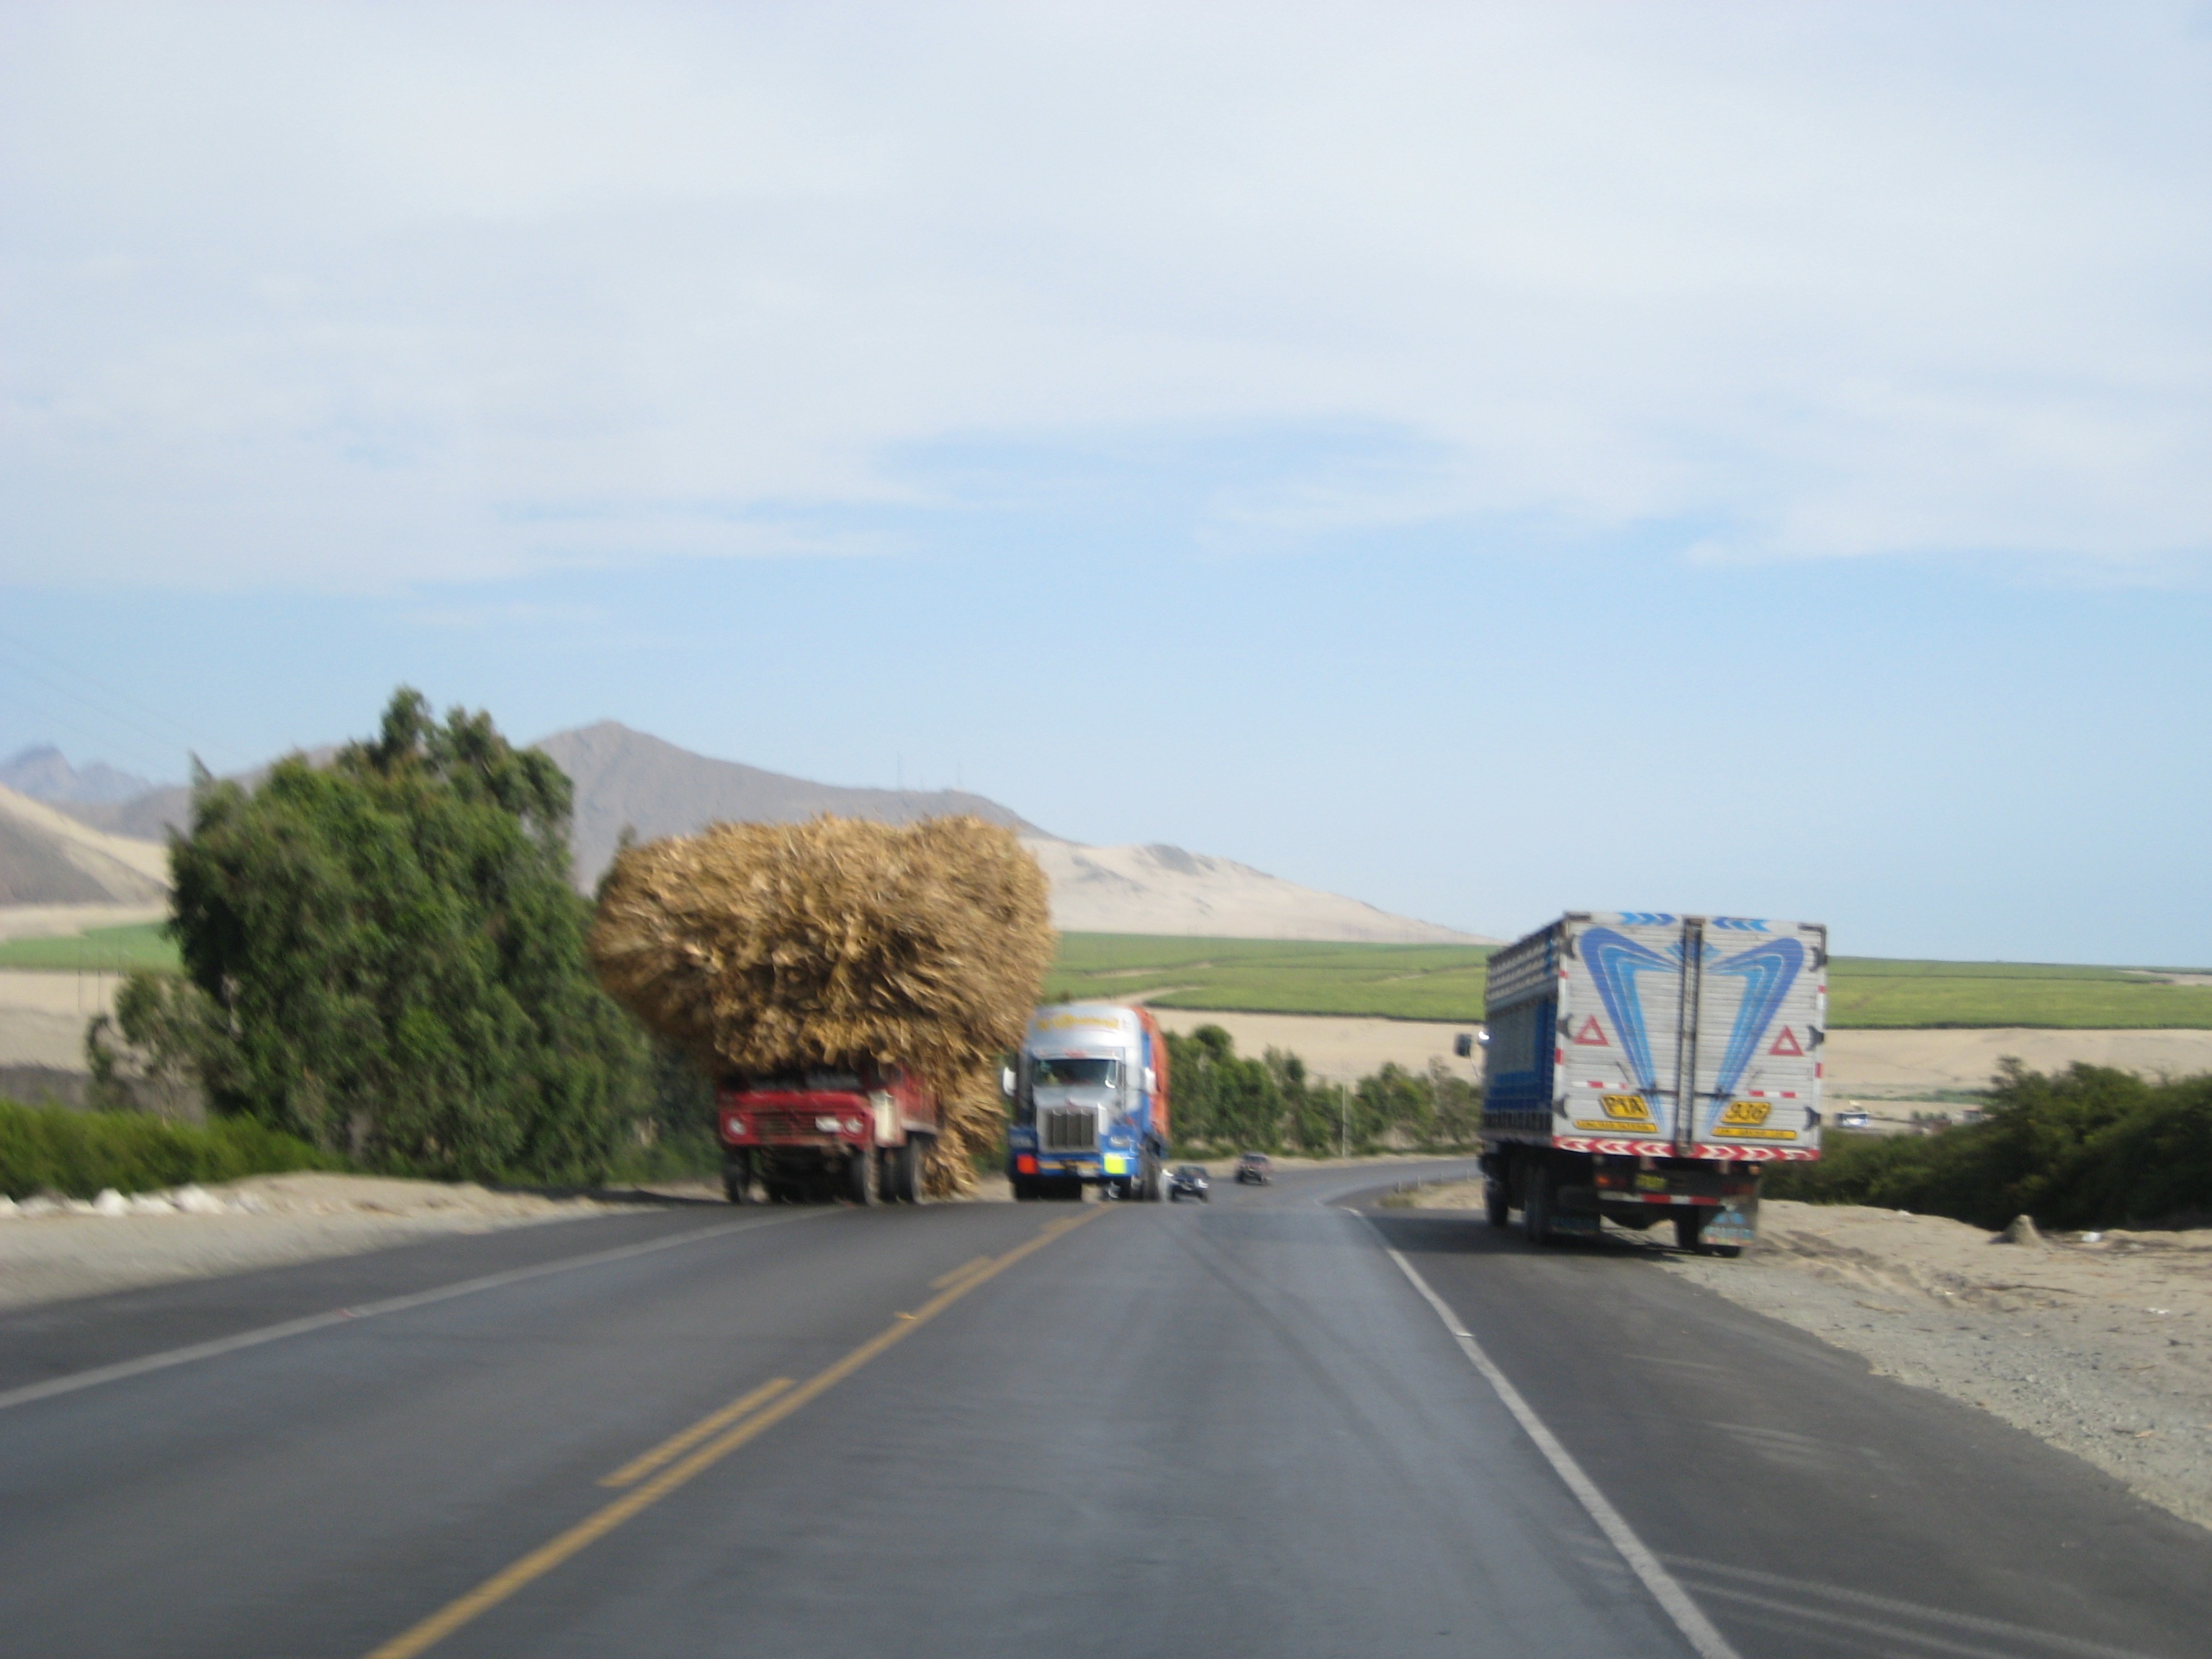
(43, 1015)
(264, 1221)
(2098, 1347)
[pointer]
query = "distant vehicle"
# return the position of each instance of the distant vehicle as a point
(1191, 1179)
(1854, 1120)
(1642, 1066)
(862, 1134)
(1090, 1092)
(1255, 1168)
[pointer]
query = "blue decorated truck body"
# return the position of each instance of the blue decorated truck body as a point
(1091, 1103)
(1642, 1066)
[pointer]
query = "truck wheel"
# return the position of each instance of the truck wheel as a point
(1494, 1209)
(1150, 1186)
(1536, 1206)
(860, 1177)
(737, 1178)
(913, 1168)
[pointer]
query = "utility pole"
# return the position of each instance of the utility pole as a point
(1344, 1120)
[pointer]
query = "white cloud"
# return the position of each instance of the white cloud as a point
(355, 295)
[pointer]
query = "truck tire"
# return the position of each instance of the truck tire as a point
(1150, 1181)
(1495, 1208)
(1536, 1206)
(860, 1185)
(737, 1178)
(913, 1161)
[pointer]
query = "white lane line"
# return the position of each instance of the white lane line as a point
(1694, 1626)
(255, 1338)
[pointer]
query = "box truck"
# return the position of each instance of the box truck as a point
(1642, 1066)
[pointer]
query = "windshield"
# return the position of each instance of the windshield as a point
(1078, 1072)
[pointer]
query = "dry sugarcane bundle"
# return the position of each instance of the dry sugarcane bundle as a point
(765, 948)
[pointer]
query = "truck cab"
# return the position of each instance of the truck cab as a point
(1090, 1093)
(859, 1132)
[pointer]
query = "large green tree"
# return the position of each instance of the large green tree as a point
(387, 958)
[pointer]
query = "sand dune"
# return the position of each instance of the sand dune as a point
(1164, 889)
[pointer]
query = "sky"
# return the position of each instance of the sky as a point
(1484, 460)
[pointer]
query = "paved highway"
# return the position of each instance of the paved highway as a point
(1267, 1426)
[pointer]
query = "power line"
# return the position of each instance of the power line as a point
(178, 734)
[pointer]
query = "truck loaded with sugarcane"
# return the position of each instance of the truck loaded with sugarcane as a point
(850, 988)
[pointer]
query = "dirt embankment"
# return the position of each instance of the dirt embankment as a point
(50, 1250)
(2097, 1343)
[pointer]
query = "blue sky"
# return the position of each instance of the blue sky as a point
(1484, 461)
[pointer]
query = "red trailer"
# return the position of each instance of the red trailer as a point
(862, 1134)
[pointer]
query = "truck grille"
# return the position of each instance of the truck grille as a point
(1069, 1129)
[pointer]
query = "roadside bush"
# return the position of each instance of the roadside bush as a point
(54, 1149)
(1221, 1100)
(2086, 1147)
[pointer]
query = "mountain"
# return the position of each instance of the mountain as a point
(1164, 889)
(47, 857)
(627, 778)
(44, 773)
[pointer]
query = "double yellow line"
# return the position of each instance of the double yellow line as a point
(723, 1431)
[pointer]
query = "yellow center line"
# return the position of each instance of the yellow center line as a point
(550, 1555)
(959, 1272)
(641, 1466)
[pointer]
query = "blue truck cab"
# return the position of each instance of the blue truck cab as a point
(1089, 1091)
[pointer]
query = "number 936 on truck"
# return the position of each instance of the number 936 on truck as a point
(1643, 1065)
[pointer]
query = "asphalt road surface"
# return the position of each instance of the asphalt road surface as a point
(1240, 1427)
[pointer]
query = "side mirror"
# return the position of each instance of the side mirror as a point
(1007, 1081)
(1151, 1081)
(1463, 1044)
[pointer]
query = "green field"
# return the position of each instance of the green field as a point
(1434, 981)
(1396, 982)
(104, 949)
(1445, 982)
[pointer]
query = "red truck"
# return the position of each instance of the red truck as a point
(862, 1135)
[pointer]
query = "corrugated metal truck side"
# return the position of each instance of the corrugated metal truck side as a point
(1644, 1065)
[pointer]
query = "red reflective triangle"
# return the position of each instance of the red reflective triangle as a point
(1786, 1043)
(1592, 1035)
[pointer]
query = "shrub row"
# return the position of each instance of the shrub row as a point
(2086, 1147)
(53, 1149)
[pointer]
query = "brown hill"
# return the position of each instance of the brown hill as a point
(47, 857)
(627, 778)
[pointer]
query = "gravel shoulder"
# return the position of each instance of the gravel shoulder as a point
(48, 1254)
(2094, 1343)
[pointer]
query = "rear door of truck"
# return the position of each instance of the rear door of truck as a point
(1619, 1033)
(1762, 1017)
